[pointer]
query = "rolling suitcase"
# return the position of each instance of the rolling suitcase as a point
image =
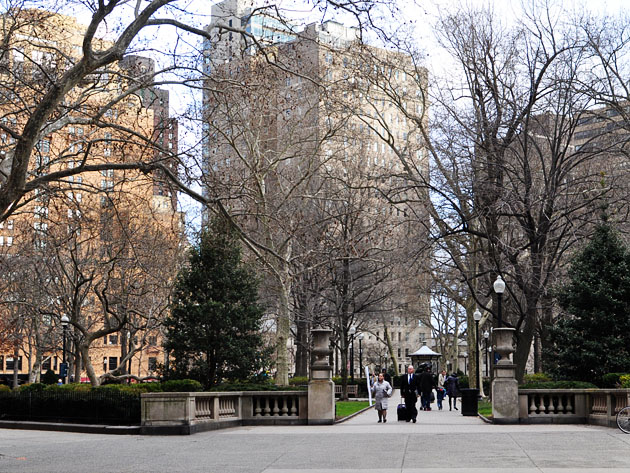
(401, 411)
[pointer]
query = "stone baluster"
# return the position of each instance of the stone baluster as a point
(285, 409)
(267, 403)
(294, 406)
(569, 404)
(532, 404)
(276, 411)
(257, 410)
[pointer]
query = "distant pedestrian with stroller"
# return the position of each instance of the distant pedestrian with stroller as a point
(381, 390)
(452, 389)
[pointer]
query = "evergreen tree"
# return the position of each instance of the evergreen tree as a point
(594, 337)
(214, 330)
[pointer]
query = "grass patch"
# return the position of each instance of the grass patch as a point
(345, 408)
(485, 408)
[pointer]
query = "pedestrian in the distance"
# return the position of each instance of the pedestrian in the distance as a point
(452, 389)
(386, 376)
(441, 392)
(382, 390)
(409, 391)
(426, 388)
(441, 379)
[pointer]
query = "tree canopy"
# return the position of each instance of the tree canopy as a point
(214, 330)
(593, 338)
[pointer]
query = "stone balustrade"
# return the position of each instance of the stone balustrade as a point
(572, 406)
(187, 413)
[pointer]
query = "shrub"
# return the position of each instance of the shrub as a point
(464, 382)
(559, 385)
(612, 380)
(537, 378)
(300, 380)
(32, 388)
(4, 388)
(181, 385)
(625, 380)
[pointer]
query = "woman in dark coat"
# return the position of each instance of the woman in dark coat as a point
(452, 389)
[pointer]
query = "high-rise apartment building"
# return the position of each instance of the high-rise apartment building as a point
(320, 105)
(96, 247)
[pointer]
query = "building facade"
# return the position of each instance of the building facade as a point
(97, 247)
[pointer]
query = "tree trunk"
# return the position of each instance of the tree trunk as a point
(390, 350)
(283, 327)
(84, 349)
(16, 366)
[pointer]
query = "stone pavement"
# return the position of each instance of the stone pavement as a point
(441, 441)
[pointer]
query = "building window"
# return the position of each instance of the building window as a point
(113, 363)
(399, 353)
(152, 340)
(152, 363)
(113, 339)
(11, 364)
(407, 352)
(46, 365)
(1, 363)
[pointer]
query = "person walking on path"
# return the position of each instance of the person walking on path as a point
(409, 391)
(382, 390)
(452, 388)
(386, 376)
(441, 379)
(425, 380)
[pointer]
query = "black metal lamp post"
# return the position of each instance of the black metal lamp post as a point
(64, 366)
(352, 331)
(477, 317)
(360, 337)
(499, 288)
(486, 335)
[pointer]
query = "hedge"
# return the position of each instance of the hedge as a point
(559, 385)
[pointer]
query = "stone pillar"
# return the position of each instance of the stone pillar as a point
(321, 389)
(504, 386)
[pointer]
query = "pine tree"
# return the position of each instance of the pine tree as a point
(594, 337)
(214, 330)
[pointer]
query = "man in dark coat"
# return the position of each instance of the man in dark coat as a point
(409, 390)
(426, 383)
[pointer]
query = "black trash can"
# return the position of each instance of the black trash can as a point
(469, 401)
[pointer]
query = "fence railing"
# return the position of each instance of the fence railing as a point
(587, 406)
(81, 407)
(195, 412)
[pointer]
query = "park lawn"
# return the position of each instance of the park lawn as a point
(485, 408)
(345, 408)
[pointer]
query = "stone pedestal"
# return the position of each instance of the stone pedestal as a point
(504, 386)
(321, 389)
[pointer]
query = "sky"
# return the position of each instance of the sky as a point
(422, 13)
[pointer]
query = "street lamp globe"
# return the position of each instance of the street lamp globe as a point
(352, 330)
(477, 315)
(486, 335)
(499, 285)
(360, 336)
(64, 320)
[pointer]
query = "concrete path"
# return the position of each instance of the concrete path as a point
(441, 442)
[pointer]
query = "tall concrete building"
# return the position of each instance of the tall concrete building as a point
(84, 234)
(322, 101)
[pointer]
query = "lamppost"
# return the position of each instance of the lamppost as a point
(477, 317)
(360, 337)
(486, 335)
(352, 331)
(64, 366)
(499, 288)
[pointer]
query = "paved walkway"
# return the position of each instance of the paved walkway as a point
(441, 442)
